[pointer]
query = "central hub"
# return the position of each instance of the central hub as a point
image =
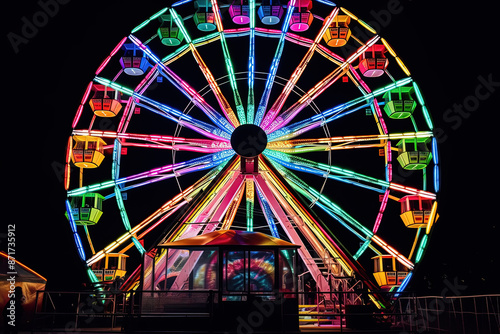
(248, 140)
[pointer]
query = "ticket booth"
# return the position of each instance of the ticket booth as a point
(226, 275)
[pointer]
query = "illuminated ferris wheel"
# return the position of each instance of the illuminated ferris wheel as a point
(288, 118)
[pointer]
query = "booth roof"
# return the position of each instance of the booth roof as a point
(23, 273)
(230, 238)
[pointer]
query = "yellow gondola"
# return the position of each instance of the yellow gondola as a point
(88, 151)
(110, 267)
(388, 272)
(338, 33)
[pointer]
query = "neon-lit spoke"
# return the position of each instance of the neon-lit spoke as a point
(268, 214)
(341, 142)
(319, 88)
(232, 210)
(342, 175)
(169, 112)
(274, 67)
(115, 173)
(240, 111)
(155, 219)
(324, 170)
(250, 197)
(187, 90)
(161, 141)
(343, 217)
(322, 233)
(348, 221)
(165, 172)
(334, 113)
(280, 101)
(224, 104)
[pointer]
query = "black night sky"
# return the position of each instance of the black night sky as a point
(449, 48)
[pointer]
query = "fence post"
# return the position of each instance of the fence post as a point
(113, 315)
(77, 310)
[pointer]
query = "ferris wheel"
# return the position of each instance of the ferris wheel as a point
(288, 118)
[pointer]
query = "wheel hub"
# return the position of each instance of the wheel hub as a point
(248, 140)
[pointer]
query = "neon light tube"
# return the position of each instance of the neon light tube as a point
(421, 248)
(180, 2)
(432, 218)
(93, 278)
(177, 141)
(80, 107)
(425, 112)
(327, 2)
(403, 285)
(76, 237)
(266, 209)
(115, 168)
(250, 195)
(381, 211)
(146, 22)
(400, 258)
(362, 249)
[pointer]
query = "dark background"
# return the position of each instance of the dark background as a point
(448, 48)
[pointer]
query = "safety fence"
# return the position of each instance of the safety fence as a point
(454, 315)
(337, 311)
(117, 310)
